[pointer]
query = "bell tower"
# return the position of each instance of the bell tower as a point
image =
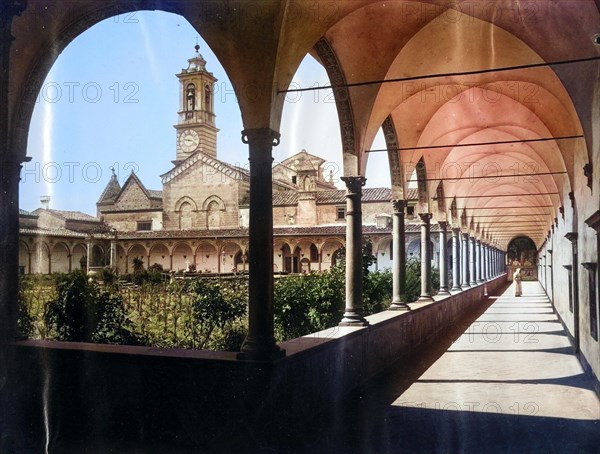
(196, 128)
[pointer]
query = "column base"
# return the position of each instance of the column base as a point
(443, 292)
(455, 289)
(480, 281)
(465, 286)
(472, 284)
(399, 306)
(353, 319)
(260, 351)
(425, 299)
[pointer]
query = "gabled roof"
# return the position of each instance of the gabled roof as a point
(221, 166)
(27, 214)
(68, 215)
(111, 191)
(133, 178)
(302, 156)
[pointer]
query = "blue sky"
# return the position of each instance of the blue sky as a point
(111, 100)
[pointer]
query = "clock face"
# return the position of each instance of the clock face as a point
(189, 140)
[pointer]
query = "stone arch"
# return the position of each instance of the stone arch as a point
(24, 258)
(98, 258)
(391, 142)
(216, 199)
(185, 209)
(227, 253)
(329, 251)
(329, 60)
(421, 180)
(207, 257)
(60, 258)
(183, 256)
(136, 251)
(79, 254)
(42, 257)
(89, 15)
(159, 254)
(120, 258)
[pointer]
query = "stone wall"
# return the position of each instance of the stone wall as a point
(198, 186)
(93, 392)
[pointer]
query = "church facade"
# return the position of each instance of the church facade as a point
(198, 221)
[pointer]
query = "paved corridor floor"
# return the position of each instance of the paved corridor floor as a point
(505, 381)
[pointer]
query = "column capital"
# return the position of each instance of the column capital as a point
(572, 237)
(455, 231)
(466, 236)
(354, 184)
(261, 136)
(398, 205)
(425, 217)
(443, 225)
(594, 221)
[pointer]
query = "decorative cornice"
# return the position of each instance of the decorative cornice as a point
(572, 237)
(588, 171)
(594, 222)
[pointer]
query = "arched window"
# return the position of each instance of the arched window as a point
(214, 215)
(185, 216)
(190, 100)
(207, 95)
(314, 253)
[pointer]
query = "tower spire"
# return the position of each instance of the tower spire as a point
(196, 130)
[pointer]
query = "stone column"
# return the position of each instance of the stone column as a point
(425, 258)
(479, 262)
(472, 277)
(399, 260)
(113, 253)
(260, 343)
(353, 315)
(486, 256)
(9, 249)
(573, 237)
(496, 262)
(88, 244)
(464, 260)
(456, 260)
(443, 265)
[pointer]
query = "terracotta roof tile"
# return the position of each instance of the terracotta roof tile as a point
(338, 196)
(70, 215)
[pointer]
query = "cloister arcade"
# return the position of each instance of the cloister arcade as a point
(491, 108)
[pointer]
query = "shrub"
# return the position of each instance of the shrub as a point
(377, 291)
(82, 312)
(25, 321)
(413, 279)
(309, 303)
(216, 306)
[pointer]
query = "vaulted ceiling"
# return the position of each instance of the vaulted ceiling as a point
(261, 45)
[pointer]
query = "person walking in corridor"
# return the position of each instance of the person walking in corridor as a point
(517, 279)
